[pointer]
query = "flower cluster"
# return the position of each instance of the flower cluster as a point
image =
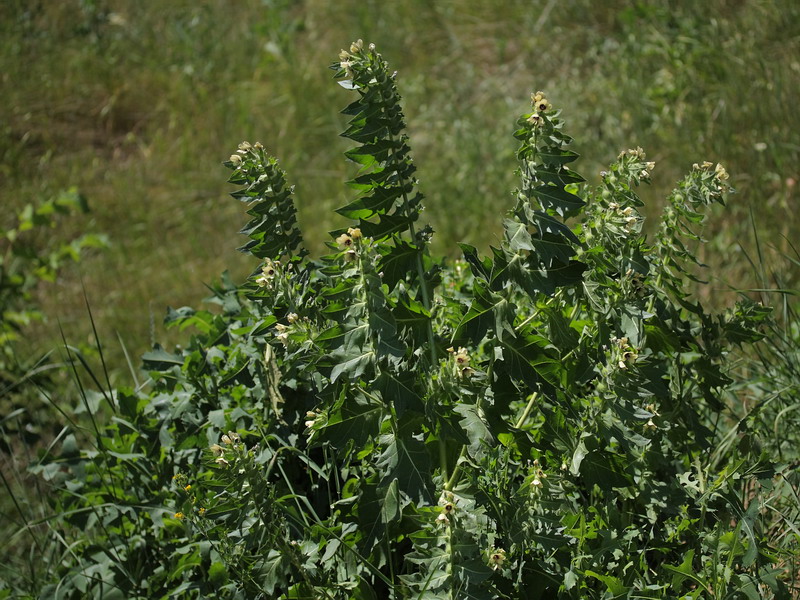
(540, 105)
(636, 157)
(719, 171)
(186, 493)
(447, 504)
(244, 149)
(628, 216)
(538, 475)
(622, 352)
(230, 441)
(268, 271)
(296, 323)
(633, 283)
(461, 361)
(311, 419)
(283, 334)
(348, 59)
(349, 242)
(314, 423)
(717, 176)
(652, 410)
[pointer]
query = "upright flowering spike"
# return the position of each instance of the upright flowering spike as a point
(273, 229)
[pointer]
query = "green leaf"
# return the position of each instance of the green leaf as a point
(399, 390)
(391, 508)
(614, 585)
(556, 198)
(354, 356)
(683, 570)
(605, 470)
(159, 359)
(273, 571)
(406, 460)
(474, 424)
(527, 359)
(556, 156)
(397, 262)
(487, 309)
(217, 574)
(356, 420)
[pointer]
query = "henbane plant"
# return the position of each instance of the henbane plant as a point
(378, 423)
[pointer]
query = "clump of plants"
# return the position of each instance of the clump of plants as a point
(381, 423)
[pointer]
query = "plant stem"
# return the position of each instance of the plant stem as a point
(423, 286)
(443, 461)
(456, 471)
(527, 411)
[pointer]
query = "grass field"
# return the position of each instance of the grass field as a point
(136, 104)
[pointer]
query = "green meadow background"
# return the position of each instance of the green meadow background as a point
(136, 104)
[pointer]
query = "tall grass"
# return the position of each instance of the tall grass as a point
(137, 104)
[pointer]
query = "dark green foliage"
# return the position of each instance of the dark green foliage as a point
(538, 423)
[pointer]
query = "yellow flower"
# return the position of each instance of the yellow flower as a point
(354, 232)
(344, 240)
(497, 556)
(230, 438)
(356, 46)
(201, 511)
(236, 160)
(535, 119)
(187, 488)
(245, 146)
(178, 515)
(539, 102)
(268, 271)
(461, 357)
(217, 450)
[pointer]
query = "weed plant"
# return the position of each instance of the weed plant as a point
(132, 102)
(553, 418)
